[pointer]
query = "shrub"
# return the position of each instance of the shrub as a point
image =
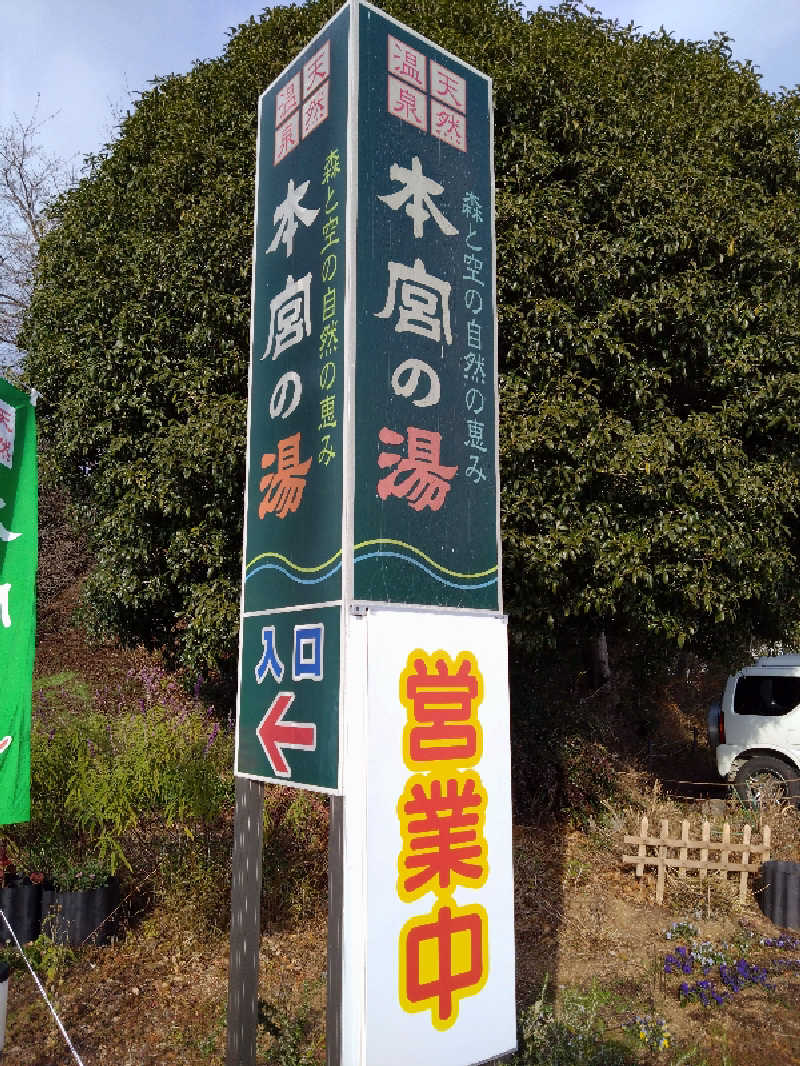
(94, 779)
(295, 866)
(647, 226)
(575, 1036)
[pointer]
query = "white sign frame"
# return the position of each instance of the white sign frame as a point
(377, 1031)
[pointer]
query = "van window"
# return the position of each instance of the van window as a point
(766, 695)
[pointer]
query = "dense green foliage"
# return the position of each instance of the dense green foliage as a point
(651, 340)
(647, 223)
(95, 780)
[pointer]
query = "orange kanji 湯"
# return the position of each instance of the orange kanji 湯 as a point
(442, 699)
(441, 822)
(284, 487)
(420, 477)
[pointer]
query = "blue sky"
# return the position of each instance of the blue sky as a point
(87, 59)
(765, 31)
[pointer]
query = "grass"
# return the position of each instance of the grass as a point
(62, 690)
(612, 1025)
(291, 1028)
(575, 1034)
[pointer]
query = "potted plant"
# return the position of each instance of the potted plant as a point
(80, 900)
(20, 901)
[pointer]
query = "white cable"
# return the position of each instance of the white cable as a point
(41, 989)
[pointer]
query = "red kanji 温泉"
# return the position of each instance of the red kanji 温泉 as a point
(408, 104)
(287, 137)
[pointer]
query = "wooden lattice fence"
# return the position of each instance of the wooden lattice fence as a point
(671, 853)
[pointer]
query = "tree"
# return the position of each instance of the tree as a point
(649, 204)
(29, 181)
(647, 221)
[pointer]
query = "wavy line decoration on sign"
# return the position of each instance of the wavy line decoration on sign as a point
(383, 548)
(386, 547)
(302, 575)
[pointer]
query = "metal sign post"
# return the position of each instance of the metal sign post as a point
(245, 923)
(373, 645)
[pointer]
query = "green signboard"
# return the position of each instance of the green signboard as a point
(293, 546)
(372, 469)
(426, 486)
(288, 720)
(18, 560)
(292, 689)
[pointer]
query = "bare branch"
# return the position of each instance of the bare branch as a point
(30, 179)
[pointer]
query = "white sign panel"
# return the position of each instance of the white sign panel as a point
(439, 888)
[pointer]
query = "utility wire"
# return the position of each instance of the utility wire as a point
(39, 985)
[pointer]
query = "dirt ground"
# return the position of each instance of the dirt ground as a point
(158, 996)
(600, 926)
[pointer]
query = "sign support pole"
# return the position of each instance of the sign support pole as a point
(248, 832)
(333, 1029)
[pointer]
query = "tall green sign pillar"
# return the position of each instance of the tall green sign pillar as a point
(372, 489)
(372, 432)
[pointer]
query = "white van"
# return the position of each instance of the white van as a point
(755, 730)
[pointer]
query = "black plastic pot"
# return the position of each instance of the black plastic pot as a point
(76, 918)
(779, 895)
(21, 902)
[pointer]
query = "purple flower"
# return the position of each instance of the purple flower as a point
(681, 960)
(212, 736)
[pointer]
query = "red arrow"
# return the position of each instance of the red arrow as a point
(4, 743)
(275, 734)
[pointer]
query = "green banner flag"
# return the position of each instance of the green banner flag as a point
(19, 548)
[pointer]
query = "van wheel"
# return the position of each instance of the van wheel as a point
(764, 779)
